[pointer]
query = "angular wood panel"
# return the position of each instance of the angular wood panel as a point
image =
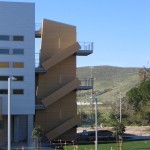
(63, 127)
(55, 88)
(53, 97)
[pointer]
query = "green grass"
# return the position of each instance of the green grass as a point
(134, 145)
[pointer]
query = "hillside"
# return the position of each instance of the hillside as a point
(116, 78)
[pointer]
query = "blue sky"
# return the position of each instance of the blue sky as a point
(120, 29)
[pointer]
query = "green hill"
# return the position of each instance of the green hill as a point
(118, 79)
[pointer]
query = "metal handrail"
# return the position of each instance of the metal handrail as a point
(86, 82)
(86, 45)
(37, 60)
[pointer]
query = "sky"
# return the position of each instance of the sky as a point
(120, 29)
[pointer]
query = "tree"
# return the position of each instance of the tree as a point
(144, 74)
(37, 133)
(118, 127)
(140, 95)
(139, 98)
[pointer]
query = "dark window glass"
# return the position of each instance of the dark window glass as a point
(1, 124)
(4, 37)
(4, 51)
(4, 78)
(18, 91)
(19, 78)
(18, 51)
(3, 91)
(18, 38)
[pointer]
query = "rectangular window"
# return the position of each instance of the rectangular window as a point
(18, 65)
(4, 51)
(1, 124)
(19, 78)
(5, 78)
(4, 64)
(4, 37)
(18, 91)
(3, 91)
(18, 51)
(18, 38)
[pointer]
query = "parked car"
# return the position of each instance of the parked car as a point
(103, 135)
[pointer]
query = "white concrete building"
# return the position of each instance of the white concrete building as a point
(54, 79)
(17, 58)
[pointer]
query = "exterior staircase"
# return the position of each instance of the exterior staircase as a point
(63, 128)
(60, 56)
(53, 97)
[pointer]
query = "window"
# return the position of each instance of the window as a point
(11, 38)
(4, 37)
(18, 91)
(15, 91)
(4, 51)
(19, 78)
(18, 51)
(5, 78)
(18, 65)
(1, 123)
(4, 64)
(18, 38)
(3, 91)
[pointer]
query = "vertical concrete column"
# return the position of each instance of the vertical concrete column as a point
(30, 128)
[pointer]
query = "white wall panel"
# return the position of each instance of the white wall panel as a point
(19, 19)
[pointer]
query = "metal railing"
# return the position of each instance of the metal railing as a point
(86, 45)
(37, 60)
(86, 82)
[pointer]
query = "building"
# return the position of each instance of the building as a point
(45, 95)
(17, 58)
(58, 84)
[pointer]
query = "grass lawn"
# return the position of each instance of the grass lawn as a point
(134, 145)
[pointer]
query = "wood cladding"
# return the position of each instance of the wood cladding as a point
(56, 88)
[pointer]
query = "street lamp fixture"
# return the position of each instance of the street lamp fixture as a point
(9, 114)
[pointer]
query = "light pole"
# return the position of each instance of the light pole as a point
(9, 114)
(92, 94)
(120, 108)
(96, 135)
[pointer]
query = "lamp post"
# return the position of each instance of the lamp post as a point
(120, 108)
(92, 92)
(9, 114)
(96, 135)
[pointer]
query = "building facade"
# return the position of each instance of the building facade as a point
(57, 84)
(17, 59)
(45, 95)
